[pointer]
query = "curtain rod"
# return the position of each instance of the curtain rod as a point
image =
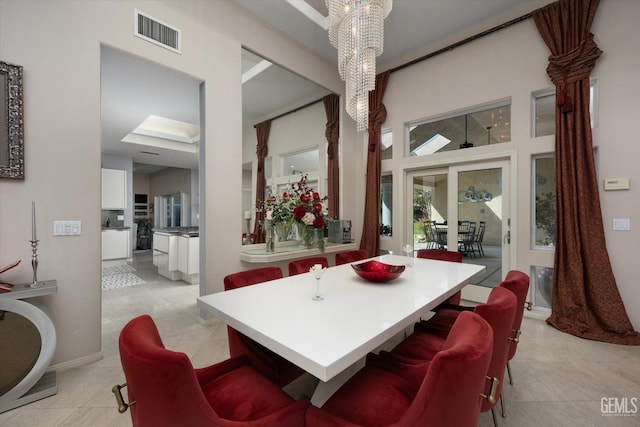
(462, 42)
(309, 104)
(427, 56)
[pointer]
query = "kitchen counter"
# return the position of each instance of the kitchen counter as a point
(179, 231)
(176, 253)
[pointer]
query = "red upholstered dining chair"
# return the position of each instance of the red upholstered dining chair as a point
(165, 390)
(346, 257)
(443, 255)
(273, 366)
(429, 337)
(449, 394)
(300, 266)
(518, 283)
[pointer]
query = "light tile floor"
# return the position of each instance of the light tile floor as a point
(560, 380)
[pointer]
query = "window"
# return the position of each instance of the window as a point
(300, 162)
(544, 202)
(544, 109)
(544, 123)
(386, 204)
(386, 138)
(474, 128)
(543, 283)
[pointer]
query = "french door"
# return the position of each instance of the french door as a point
(463, 208)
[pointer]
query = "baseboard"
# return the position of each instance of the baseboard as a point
(537, 313)
(75, 363)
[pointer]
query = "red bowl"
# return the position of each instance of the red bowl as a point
(377, 271)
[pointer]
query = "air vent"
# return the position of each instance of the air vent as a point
(156, 32)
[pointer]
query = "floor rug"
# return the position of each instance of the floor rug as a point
(117, 269)
(119, 276)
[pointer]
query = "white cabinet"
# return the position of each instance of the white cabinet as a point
(165, 255)
(114, 189)
(115, 244)
(165, 251)
(188, 258)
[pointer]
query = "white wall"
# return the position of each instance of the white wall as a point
(512, 64)
(61, 59)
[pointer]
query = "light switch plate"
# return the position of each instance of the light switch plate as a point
(67, 228)
(621, 224)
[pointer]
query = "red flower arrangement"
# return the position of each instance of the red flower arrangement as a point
(303, 206)
(310, 209)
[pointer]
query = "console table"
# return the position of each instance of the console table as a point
(289, 250)
(28, 341)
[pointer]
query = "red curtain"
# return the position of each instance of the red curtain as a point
(262, 150)
(377, 115)
(585, 300)
(332, 133)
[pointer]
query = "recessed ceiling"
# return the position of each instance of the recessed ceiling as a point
(132, 89)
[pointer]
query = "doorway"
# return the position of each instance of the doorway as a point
(151, 131)
(464, 208)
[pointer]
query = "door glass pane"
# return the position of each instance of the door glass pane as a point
(386, 204)
(479, 228)
(175, 206)
(429, 208)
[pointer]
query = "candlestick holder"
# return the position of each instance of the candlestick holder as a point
(269, 235)
(247, 239)
(34, 263)
(317, 274)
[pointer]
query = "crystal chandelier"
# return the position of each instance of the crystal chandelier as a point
(356, 29)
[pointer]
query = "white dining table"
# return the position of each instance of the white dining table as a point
(328, 338)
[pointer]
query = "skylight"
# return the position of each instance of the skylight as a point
(255, 70)
(431, 145)
(307, 10)
(165, 133)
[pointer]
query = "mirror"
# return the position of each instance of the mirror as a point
(297, 143)
(11, 122)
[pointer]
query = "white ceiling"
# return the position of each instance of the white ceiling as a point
(134, 88)
(411, 25)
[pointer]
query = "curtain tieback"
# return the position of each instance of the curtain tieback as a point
(571, 67)
(376, 118)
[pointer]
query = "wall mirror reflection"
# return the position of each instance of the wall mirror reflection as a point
(296, 142)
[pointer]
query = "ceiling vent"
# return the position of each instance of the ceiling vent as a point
(156, 32)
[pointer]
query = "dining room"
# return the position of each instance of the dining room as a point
(559, 378)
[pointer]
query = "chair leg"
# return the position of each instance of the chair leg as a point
(509, 372)
(504, 411)
(493, 414)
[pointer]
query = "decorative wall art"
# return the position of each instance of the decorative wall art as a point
(11, 122)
